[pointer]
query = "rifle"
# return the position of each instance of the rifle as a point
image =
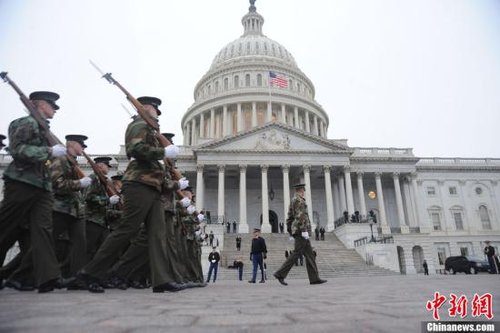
(49, 136)
(108, 187)
(152, 123)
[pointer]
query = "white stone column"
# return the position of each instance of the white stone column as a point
(381, 206)
(254, 114)
(296, 117)
(220, 206)
(337, 210)
(307, 180)
(361, 190)
(410, 209)
(343, 203)
(329, 199)
(266, 227)
(193, 131)
(283, 113)
(399, 204)
(424, 223)
(308, 125)
(286, 190)
(186, 136)
(239, 117)
(316, 131)
(212, 123)
(269, 116)
(200, 188)
(202, 125)
(243, 223)
(225, 125)
(320, 128)
(348, 188)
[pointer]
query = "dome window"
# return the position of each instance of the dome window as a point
(236, 81)
(259, 80)
(216, 86)
(247, 80)
(226, 84)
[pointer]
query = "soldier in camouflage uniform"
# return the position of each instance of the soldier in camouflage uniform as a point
(26, 210)
(68, 210)
(114, 213)
(142, 184)
(97, 204)
(192, 230)
(299, 227)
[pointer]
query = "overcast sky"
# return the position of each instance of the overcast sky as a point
(421, 74)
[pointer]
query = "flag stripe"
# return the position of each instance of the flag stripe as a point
(278, 80)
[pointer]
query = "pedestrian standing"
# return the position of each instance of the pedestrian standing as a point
(238, 242)
(257, 255)
(213, 259)
(492, 260)
(426, 268)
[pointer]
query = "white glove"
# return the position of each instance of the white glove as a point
(291, 238)
(197, 233)
(85, 182)
(58, 150)
(114, 199)
(305, 234)
(185, 202)
(183, 183)
(201, 217)
(191, 209)
(171, 151)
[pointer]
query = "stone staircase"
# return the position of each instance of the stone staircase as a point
(333, 258)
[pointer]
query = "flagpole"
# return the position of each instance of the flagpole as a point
(270, 106)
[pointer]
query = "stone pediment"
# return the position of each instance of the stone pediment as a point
(274, 137)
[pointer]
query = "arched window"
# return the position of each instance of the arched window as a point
(485, 217)
(209, 89)
(226, 84)
(247, 80)
(259, 80)
(236, 81)
(216, 86)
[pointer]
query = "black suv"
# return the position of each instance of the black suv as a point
(466, 264)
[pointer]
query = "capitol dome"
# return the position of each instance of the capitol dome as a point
(236, 94)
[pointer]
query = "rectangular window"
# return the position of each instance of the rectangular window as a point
(464, 251)
(458, 220)
(431, 190)
(441, 251)
(436, 221)
(452, 190)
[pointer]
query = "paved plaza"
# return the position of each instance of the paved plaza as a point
(359, 304)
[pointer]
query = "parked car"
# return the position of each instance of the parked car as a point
(466, 264)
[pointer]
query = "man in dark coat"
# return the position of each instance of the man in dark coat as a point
(257, 255)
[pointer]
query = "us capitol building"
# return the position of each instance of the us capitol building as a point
(246, 142)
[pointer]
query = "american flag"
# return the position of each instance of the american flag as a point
(278, 80)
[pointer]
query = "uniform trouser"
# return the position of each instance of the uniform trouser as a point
(302, 246)
(176, 262)
(76, 255)
(142, 203)
(181, 250)
(257, 262)
(134, 257)
(95, 235)
(193, 263)
(26, 206)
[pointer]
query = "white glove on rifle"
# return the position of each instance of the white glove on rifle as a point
(171, 151)
(201, 217)
(183, 183)
(191, 209)
(185, 202)
(197, 233)
(58, 150)
(114, 199)
(305, 234)
(85, 182)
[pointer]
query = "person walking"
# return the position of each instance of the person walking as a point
(238, 242)
(299, 227)
(213, 258)
(426, 268)
(257, 255)
(490, 253)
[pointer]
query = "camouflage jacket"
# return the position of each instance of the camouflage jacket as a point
(188, 222)
(30, 151)
(66, 185)
(142, 145)
(96, 202)
(168, 193)
(298, 218)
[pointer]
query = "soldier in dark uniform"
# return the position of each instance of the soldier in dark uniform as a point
(299, 227)
(97, 204)
(142, 183)
(26, 210)
(67, 212)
